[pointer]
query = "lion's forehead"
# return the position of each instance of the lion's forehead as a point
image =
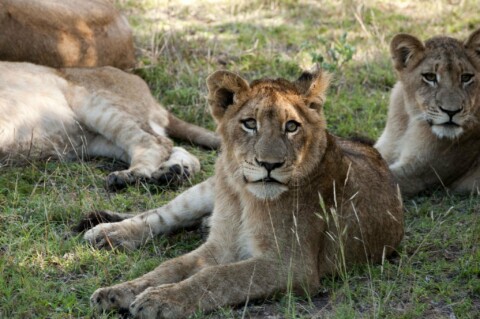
(444, 44)
(444, 60)
(274, 106)
(448, 57)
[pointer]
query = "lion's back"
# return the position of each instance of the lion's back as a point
(366, 159)
(34, 110)
(65, 33)
(376, 197)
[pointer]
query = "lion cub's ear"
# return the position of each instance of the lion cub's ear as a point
(313, 86)
(405, 50)
(473, 42)
(223, 87)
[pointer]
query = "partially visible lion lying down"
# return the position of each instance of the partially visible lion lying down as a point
(293, 203)
(65, 33)
(432, 136)
(76, 112)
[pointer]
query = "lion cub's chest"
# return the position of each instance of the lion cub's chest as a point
(258, 228)
(246, 245)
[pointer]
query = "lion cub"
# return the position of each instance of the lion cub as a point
(293, 203)
(77, 113)
(432, 136)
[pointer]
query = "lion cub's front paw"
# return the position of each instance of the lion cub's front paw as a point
(159, 302)
(115, 235)
(116, 298)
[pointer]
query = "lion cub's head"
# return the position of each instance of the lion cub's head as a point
(441, 79)
(273, 131)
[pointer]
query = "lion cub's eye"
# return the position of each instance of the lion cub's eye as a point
(430, 77)
(466, 78)
(291, 126)
(249, 124)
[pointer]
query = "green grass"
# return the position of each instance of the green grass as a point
(46, 272)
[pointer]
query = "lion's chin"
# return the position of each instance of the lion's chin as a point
(447, 131)
(268, 191)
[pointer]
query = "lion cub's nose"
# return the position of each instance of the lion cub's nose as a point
(450, 113)
(269, 166)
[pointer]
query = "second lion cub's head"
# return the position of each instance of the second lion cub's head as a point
(440, 81)
(273, 131)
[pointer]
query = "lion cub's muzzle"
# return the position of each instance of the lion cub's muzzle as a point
(269, 167)
(447, 122)
(448, 115)
(265, 172)
(266, 179)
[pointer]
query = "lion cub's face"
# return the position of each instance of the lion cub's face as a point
(271, 129)
(441, 76)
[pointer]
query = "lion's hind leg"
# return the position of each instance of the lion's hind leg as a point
(469, 183)
(104, 114)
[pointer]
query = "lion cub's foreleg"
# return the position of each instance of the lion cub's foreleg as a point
(389, 143)
(410, 168)
(224, 282)
(120, 296)
(221, 272)
(203, 279)
(210, 288)
(416, 170)
(185, 210)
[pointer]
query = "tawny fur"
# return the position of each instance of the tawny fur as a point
(103, 111)
(432, 135)
(292, 204)
(65, 33)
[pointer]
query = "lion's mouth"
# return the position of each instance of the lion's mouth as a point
(450, 124)
(448, 130)
(266, 180)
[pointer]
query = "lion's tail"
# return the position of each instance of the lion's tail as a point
(180, 129)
